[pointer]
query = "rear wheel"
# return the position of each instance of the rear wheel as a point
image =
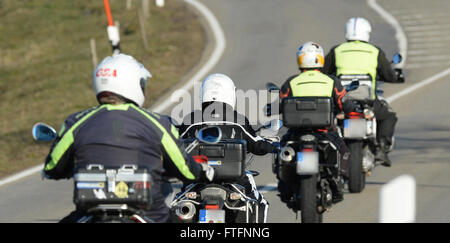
(308, 200)
(357, 177)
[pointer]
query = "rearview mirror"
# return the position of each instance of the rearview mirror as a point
(43, 132)
(210, 135)
(398, 58)
(352, 86)
(272, 87)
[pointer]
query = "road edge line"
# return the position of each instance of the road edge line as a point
(399, 33)
(219, 49)
(403, 49)
(21, 175)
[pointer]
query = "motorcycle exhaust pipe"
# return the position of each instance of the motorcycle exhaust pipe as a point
(185, 210)
(287, 154)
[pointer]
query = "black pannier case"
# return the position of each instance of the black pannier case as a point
(307, 112)
(96, 185)
(227, 157)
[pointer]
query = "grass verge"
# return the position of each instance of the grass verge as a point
(46, 63)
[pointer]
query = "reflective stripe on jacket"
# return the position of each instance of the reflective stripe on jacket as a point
(120, 134)
(312, 84)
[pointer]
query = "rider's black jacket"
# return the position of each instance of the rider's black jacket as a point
(113, 135)
(232, 124)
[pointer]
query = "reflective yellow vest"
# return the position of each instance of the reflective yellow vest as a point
(312, 84)
(357, 57)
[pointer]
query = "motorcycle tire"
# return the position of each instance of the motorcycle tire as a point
(308, 200)
(357, 177)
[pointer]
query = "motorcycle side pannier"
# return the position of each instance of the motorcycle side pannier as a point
(96, 185)
(307, 112)
(228, 157)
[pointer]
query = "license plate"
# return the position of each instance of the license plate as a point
(307, 163)
(355, 128)
(212, 216)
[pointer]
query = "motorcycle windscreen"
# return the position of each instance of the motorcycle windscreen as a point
(307, 163)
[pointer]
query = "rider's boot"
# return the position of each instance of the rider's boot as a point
(337, 187)
(381, 154)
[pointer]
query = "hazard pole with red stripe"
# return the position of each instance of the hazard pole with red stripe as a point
(112, 30)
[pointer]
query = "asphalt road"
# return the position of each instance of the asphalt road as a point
(262, 38)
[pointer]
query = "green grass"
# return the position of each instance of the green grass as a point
(46, 63)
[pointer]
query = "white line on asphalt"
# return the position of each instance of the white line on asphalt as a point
(219, 37)
(427, 65)
(21, 175)
(426, 27)
(400, 34)
(419, 85)
(403, 47)
(429, 39)
(426, 33)
(431, 57)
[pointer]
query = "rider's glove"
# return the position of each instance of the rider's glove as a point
(44, 175)
(208, 171)
(276, 147)
(400, 75)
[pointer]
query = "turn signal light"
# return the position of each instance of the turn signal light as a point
(235, 196)
(191, 195)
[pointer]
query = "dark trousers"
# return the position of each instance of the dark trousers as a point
(386, 120)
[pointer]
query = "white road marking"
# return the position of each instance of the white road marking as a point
(403, 47)
(219, 37)
(426, 33)
(423, 22)
(21, 175)
(430, 39)
(432, 57)
(400, 34)
(418, 85)
(427, 65)
(427, 27)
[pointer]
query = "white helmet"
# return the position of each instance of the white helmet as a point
(310, 55)
(123, 75)
(218, 87)
(358, 29)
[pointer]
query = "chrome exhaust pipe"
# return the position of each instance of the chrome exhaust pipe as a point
(287, 154)
(185, 210)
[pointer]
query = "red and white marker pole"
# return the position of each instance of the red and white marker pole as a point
(112, 30)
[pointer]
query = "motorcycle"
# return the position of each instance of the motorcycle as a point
(308, 163)
(109, 194)
(358, 127)
(224, 199)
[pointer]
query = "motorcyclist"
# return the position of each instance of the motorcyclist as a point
(358, 56)
(119, 131)
(312, 82)
(218, 98)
